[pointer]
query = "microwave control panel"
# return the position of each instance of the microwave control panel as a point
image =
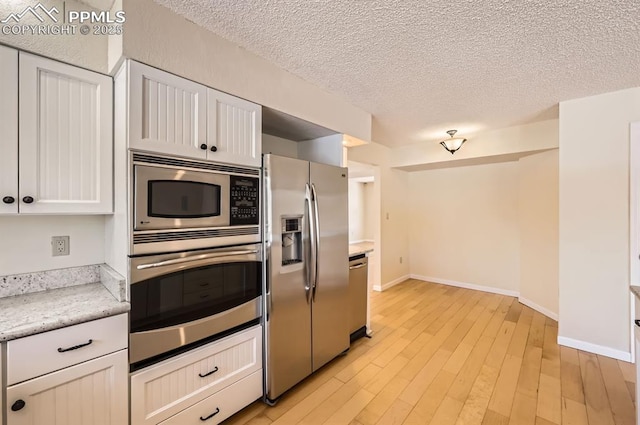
(244, 200)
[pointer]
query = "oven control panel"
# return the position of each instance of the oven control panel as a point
(244, 200)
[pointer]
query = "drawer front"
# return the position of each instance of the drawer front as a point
(220, 406)
(162, 390)
(54, 350)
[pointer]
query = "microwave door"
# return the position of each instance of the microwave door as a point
(166, 198)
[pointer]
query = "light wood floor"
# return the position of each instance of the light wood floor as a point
(443, 355)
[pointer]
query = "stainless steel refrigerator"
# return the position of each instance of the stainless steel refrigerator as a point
(307, 269)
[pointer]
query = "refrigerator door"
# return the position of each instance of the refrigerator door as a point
(330, 321)
(288, 312)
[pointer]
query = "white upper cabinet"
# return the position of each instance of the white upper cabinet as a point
(234, 129)
(66, 138)
(172, 115)
(167, 113)
(9, 130)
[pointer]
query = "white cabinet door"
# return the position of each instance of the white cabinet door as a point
(9, 130)
(234, 129)
(66, 138)
(167, 114)
(91, 393)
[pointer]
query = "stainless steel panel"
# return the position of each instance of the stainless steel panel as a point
(144, 345)
(358, 294)
(330, 334)
(288, 315)
(144, 173)
(168, 263)
(157, 241)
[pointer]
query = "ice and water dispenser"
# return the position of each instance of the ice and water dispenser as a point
(291, 240)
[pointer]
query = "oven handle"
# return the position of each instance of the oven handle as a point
(196, 258)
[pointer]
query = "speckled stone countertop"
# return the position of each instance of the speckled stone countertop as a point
(635, 290)
(360, 248)
(32, 303)
(29, 314)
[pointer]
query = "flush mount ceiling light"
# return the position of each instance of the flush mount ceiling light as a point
(454, 143)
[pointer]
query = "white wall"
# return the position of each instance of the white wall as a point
(392, 244)
(482, 147)
(594, 221)
(538, 231)
(87, 51)
(369, 211)
(279, 146)
(156, 36)
(356, 211)
(26, 242)
(464, 225)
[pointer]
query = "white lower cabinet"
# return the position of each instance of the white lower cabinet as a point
(221, 405)
(91, 393)
(223, 376)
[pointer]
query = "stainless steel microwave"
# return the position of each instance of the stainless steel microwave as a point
(177, 199)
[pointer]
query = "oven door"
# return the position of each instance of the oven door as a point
(171, 198)
(181, 298)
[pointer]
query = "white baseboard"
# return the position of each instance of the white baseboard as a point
(388, 285)
(595, 348)
(538, 308)
(467, 285)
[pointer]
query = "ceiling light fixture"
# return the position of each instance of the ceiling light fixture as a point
(454, 143)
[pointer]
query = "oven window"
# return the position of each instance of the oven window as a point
(183, 199)
(193, 294)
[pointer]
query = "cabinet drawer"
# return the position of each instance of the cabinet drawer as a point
(50, 351)
(221, 405)
(162, 390)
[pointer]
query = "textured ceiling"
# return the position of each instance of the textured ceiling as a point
(423, 67)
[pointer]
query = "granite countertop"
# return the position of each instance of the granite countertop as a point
(37, 302)
(360, 248)
(36, 312)
(635, 290)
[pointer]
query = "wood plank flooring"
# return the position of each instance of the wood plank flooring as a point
(450, 356)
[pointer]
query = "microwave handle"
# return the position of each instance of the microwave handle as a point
(196, 258)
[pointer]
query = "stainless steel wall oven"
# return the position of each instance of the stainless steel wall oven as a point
(195, 258)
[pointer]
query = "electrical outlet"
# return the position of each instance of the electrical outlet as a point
(59, 245)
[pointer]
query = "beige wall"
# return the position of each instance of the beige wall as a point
(538, 231)
(464, 225)
(158, 37)
(594, 220)
(87, 51)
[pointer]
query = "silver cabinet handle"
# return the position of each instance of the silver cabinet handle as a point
(357, 266)
(196, 258)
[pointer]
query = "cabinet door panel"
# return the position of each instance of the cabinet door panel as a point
(162, 390)
(9, 126)
(235, 128)
(91, 393)
(66, 138)
(167, 113)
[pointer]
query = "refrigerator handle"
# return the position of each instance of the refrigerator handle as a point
(316, 220)
(310, 259)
